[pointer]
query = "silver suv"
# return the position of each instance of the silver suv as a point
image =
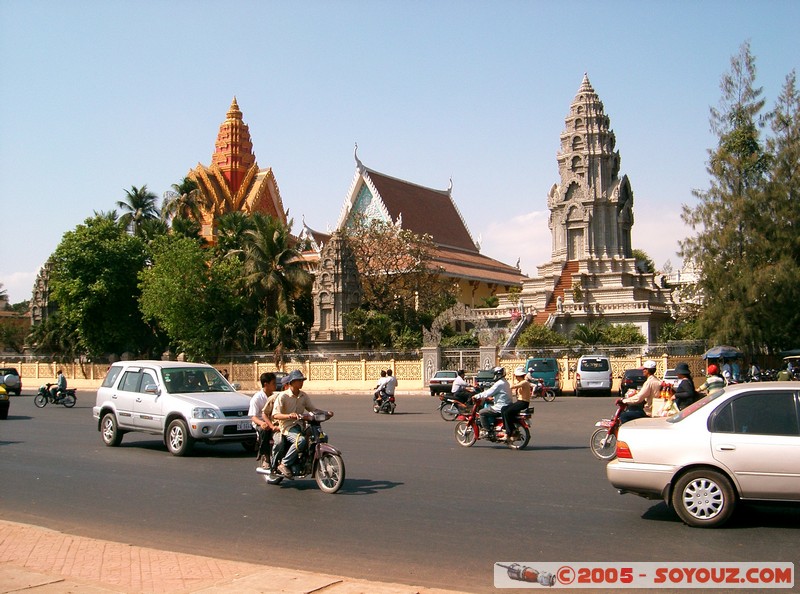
(182, 402)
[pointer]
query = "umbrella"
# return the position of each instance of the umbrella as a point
(722, 352)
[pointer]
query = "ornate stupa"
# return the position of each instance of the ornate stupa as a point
(592, 272)
(234, 182)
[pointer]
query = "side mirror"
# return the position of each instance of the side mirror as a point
(152, 389)
(236, 386)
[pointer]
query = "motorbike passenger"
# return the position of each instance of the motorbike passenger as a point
(380, 389)
(499, 394)
(685, 392)
(714, 381)
(461, 390)
(288, 407)
(58, 389)
(262, 423)
(523, 388)
(391, 384)
(640, 404)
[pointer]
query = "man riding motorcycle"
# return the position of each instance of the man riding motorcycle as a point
(499, 394)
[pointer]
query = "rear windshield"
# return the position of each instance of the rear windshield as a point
(540, 366)
(594, 365)
(635, 375)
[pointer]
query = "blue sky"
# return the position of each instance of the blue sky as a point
(98, 96)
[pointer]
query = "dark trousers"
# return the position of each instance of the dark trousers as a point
(631, 413)
(510, 412)
(264, 439)
(487, 418)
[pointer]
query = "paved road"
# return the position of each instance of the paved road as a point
(416, 507)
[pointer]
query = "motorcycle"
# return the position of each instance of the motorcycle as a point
(66, 398)
(467, 431)
(540, 390)
(450, 406)
(385, 404)
(603, 441)
(315, 458)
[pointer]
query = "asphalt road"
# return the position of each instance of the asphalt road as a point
(415, 508)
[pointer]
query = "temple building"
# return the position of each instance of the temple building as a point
(233, 181)
(592, 272)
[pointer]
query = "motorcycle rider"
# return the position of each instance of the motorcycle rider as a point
(261, 423)
(288, 407)
(461, 389)
(377, 396)
(523, 388)
(640, 404)
(58, 389)
(499, 394)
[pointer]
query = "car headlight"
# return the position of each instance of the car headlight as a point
(205, 413)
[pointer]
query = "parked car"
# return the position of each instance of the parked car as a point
(442, 381)
(13, 384)
(5, 402)
(484, 378)
(545, 369)
(740, 443)
(181, 402)
(632, 379)
(593, 374)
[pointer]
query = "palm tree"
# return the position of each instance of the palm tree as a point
(273, 268)
(282, 333)
(230, 231)
(592, 334)
(139, 205)
(185, 200)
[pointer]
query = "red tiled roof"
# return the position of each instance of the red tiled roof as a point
(424, 211)
(475, 266)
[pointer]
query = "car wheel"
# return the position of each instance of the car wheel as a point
(109, 430)
(703, 498)
(179, 440)
(250, 445)
(4, 413)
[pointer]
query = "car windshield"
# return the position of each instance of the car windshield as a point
(695, 406)
(594, 365)
(183, 380)
(541, 366)
(635, 375)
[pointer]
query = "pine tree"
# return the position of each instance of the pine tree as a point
(727, 214)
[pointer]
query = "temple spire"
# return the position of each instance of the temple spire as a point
(233, 152)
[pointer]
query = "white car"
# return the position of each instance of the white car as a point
(739, 443)
(181, 402)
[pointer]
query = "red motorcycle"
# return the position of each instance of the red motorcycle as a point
(604, 439)
(467, 430)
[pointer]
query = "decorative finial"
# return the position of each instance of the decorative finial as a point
(450, 187)
(359, 164)
(234, 113)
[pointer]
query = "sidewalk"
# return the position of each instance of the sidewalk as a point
(44, 561)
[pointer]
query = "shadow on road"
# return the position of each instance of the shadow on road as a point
(746, 516)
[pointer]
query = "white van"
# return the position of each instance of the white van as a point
(593, 374)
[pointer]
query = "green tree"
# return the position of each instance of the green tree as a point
(590, 334)
(284, 333)
(369, 328)
(230, 231)
(274, 270)
(538, 335)
(54, 337)
(93, 284)
(624, 334)
(184, 200)
(195, 302)
(643, 261)
(138, 206)
(739, 243)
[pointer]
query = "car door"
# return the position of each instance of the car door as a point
(124, 395)
(757, 436)
(148, 402)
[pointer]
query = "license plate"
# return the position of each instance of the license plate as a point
(244, 426)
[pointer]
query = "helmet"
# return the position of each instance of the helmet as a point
(519, 371)
(294, 375)
(499, 372)
(713, 369)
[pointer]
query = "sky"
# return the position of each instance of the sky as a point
(97, 96)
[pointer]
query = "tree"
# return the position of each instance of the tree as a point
(644, 262)
(399, 280)
(284, 333)
(538, 335)
(274, 274)
(230, 231)
(93, 284)
(138, 206)
(624, 334)
(196, 302)
(590, 334)
(739, 243)
(185, 201)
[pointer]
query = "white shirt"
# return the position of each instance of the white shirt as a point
(257, 403)
(391, 384)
